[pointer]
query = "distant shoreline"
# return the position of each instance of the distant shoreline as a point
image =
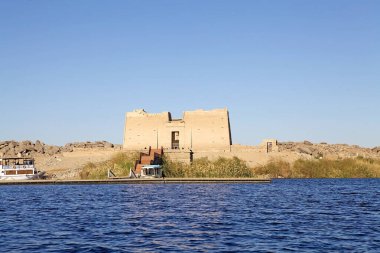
(163, 181)
(139, 181)
(91, 160)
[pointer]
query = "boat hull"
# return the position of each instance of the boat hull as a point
(21, 177)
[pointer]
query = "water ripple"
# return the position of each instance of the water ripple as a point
(287, 215)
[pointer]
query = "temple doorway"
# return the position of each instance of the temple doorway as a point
(175, 140)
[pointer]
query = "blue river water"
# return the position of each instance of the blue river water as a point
(319, 215)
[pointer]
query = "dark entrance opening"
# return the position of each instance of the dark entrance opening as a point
(269, 147)
(175, 140)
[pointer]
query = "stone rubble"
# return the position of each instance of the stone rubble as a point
(333, 151)
(28, 148)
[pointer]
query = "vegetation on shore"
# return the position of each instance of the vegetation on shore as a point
(204, 168)
(323, 168)
(201, 168)
(236, 168)
(119, 164)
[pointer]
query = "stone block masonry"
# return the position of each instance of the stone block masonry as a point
(198, 130)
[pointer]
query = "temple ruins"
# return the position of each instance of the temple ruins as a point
(198, 130)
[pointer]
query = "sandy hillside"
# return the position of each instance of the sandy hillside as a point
(67, 164)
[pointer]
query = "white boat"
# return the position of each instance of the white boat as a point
(151, 171)
(17, 168)
(147, 171)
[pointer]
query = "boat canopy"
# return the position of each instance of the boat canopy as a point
(151, 166)
(16, 161)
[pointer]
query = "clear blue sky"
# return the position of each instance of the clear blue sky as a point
(292, 70)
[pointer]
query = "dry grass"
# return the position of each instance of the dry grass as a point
(204, 168)
(345, 168)
(237, 168)
(119, 164)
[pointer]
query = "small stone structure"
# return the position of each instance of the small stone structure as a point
(270, 145)
(197, 131)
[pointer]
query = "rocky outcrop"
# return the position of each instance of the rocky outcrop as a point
(329, 150)
(28, 148)
(305, 150)
(88, 144)
(308, 143)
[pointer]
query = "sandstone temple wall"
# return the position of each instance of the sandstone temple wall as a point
(197, 130)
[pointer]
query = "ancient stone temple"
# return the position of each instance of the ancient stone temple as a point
(197, 131)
